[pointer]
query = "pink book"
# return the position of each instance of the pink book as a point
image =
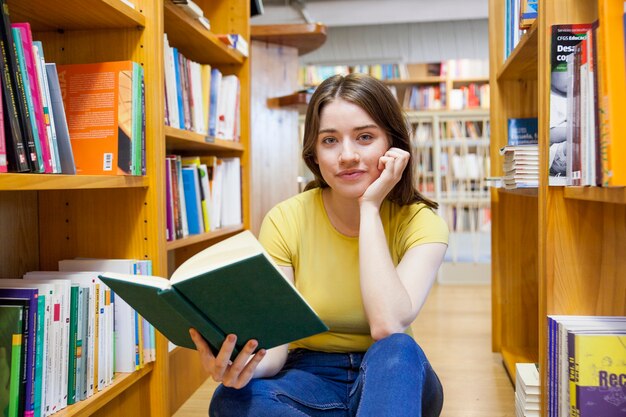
(35, 91)
(3, 148)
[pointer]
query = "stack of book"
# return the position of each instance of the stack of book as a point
(527, 390)
(194, 11)
(521, 155)
(586, 365)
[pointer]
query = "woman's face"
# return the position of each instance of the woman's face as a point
(348, 147)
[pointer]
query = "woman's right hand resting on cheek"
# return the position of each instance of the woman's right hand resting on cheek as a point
(235, 374)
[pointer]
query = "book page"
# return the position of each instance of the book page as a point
(241, 246)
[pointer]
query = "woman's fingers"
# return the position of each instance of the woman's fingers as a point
(222, 361)
(232, 376)
(248, 371)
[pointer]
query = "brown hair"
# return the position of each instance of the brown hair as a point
(375, 98)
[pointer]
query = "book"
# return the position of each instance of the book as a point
(18, 152)
(232, 287)
(11, 325)
(18, 114)
(599, 375)
(523, 131)
(98, 100)
(612, 94)
(26, 296)
(66, 155)
(565, 38)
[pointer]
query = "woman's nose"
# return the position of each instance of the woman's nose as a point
(348, 154)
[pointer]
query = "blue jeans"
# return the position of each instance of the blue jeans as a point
(393, 378)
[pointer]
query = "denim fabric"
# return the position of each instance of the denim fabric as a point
(393, 378)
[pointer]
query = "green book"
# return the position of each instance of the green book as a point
(71, 363)
(10, 359)
(231, 287)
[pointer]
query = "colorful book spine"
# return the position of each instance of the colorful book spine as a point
(33, 96)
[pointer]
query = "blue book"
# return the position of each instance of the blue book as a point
(29, 339)
(523, 131)
(216, 81)
(192, 200)
(179, 90)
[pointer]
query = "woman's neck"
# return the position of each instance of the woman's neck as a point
(343, 213)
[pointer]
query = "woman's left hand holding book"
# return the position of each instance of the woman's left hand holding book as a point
(233, 374)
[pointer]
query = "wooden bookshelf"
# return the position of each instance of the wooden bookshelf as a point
(204, 237)
(9, 182)
(305, 37)
(44, 15)
(556, 253)
(179, 140)
(46, 218)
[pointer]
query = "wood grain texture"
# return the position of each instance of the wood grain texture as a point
(194, 41)
(305, 37)
(185, 366)
(52, 15)
(274, 140)
(19, 247)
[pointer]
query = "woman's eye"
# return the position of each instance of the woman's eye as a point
(366, 137)
(329, 140)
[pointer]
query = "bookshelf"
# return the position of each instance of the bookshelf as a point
(196, 43)
(452, 159)
(49, 217)
(555, 251)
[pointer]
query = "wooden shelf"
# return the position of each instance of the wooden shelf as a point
(434, 79)
(469, 80)
(181, 243)
(298, 101)
(305, 37)
(525, 192)
(185, 140)
(121, 382)
(512, 356)
(466, 113)
(52, 15)
(615, 195)
(522, 63)
(19, 182)
(194, 41)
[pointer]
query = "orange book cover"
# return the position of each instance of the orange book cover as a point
(612, 97)
(98, 105)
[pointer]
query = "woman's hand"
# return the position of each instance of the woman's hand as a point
(235, 374)
(392, 165)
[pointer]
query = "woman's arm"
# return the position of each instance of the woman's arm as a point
(392, 296)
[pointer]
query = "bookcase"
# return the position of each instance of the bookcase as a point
(45, 218)
(555, 250)
(451, 148)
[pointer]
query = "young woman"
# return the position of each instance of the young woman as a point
(363, 248)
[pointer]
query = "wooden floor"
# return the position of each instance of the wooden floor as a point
(454, 329)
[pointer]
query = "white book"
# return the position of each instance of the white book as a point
(89, 282)
(124, 324)
(59, 341)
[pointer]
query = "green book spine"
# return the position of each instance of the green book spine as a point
(39, 359)
(71, 363)
(15, 380)
(136, 118)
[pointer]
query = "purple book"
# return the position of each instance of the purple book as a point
(30, 330)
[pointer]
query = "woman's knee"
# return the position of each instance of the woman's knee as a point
(397, 348)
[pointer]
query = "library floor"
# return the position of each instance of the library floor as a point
(454, 329)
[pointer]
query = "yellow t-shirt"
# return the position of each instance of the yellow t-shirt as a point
(298, 233)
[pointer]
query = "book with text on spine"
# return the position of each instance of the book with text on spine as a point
(232, 287)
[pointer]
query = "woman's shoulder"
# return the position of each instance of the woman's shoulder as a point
(417, 214)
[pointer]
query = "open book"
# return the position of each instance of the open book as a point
(230, 287)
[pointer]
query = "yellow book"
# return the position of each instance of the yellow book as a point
(597, 374)
(612, 97)
(205, 74)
